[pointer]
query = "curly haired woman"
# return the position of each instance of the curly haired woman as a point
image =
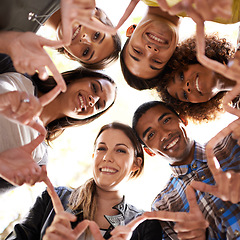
(196, 91)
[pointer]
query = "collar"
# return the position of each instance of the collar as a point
(198, 161)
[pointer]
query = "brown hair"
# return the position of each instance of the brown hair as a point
(184, 55)
(101, 16)
(84, 197)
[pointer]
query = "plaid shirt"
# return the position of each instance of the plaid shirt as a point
(223, 216)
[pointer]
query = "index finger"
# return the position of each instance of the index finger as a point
(191, 197)
(58, 207)
(48, 97)
(166, 216)
(38, 127)
(127, 13)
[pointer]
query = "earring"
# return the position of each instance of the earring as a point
(148, 151)
(130, 30)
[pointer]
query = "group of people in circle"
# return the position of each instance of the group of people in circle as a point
(191, 77)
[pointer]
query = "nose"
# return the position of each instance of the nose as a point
(151, 48)
(108, 157)
(85, 38)
(187, 87)
(93, 100)
(165, 136)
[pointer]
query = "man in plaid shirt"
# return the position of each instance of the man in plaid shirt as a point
(162, 132)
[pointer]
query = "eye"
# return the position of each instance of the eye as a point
(96, 35)
(136, 51)
(86, 51)
(185, 95)
(156, 61)
(166, 120)
(121, 150)
(97, 105)
(94, 87)
(150, 135)
(181, 76)
(101, 148)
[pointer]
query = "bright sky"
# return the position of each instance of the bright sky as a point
(71, 154)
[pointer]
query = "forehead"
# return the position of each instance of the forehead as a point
(113, 136)
(151, 117)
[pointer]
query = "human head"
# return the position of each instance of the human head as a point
(147, 50)
(184, 63)
(162, 131)
(87, 41)
(129, 133)
(56, 127)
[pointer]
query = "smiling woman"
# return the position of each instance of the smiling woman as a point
(89, 94)
(196, 91)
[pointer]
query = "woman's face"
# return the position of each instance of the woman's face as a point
(88, 45)
(86, 97)
(113, 159)
(196, 84)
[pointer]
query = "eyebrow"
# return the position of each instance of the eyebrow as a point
(102, 39)
(159, 119)
(118, 144)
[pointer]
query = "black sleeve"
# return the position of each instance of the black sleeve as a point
(6, 64)
(148, 230)
(30, 227)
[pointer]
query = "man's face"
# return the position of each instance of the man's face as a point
(164, 133)
(150, 47)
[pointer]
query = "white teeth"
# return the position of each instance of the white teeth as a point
(108, 170)
(82, 107)
(173, 143)
(156, 38)
(197, 84)
(76, 33)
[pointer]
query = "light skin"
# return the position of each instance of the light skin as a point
(197, 84)
(113, 161)
(83, 98)
(152, 43)
(164, 133)
(87, 44)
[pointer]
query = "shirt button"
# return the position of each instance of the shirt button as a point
(221, 210)
(236, 233)
(194, 166)
(202, 177)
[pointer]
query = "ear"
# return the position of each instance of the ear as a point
(130, 30)
(148, 151)
(184, 120)
(136, 164)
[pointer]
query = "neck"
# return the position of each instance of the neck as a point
(51, 112)
(112, 195)
(54, 20)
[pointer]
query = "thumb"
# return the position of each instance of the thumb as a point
(80, 228)
(48, 97)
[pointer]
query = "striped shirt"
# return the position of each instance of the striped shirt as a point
(223, 216)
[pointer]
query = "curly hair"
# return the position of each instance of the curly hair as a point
(185, 54)
(101, 16)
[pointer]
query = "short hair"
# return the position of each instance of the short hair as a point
(101, 16)
(184, 55)
(57, 127)
(142, 109)
(134, 81)
(128, 131)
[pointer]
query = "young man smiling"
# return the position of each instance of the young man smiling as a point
(163, 133)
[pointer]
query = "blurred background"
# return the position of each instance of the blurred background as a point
(70, 156)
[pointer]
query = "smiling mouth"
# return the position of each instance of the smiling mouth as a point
(172, 144)
(82, 106)
(108, 170)
(157, 39)
(197, 84)
(75, 33)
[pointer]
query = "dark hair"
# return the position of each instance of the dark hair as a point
(84, 197)
(56, 127)
(101, 16)
(142, 109)
(134, 81)
(128, 131)
(184, 55)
